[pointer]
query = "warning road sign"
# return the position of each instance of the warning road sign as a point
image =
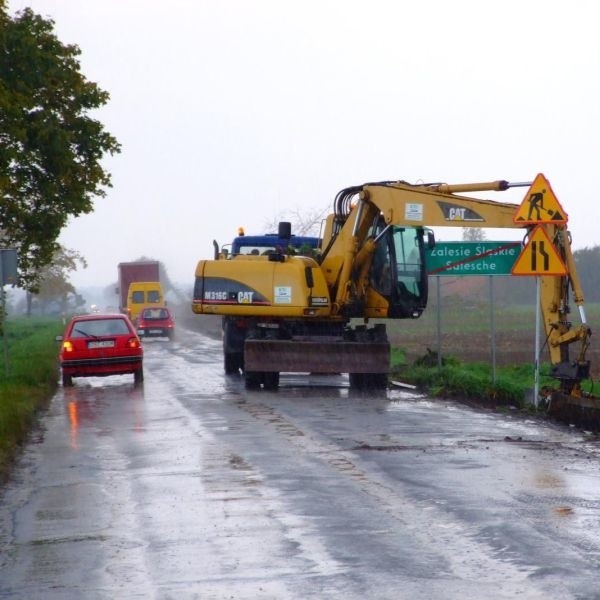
(539, 256)
(540, 205)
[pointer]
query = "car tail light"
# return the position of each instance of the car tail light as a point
(68, 346)
(133, 342)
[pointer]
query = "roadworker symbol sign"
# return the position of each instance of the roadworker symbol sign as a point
(540, 205)
(539, 256)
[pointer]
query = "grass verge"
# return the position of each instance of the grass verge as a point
(470, 381)
(29, 383)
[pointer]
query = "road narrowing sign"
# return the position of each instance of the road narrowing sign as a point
(539, 256)
(540, 205)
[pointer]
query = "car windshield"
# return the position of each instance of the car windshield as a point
(155, 313)
(99, 327)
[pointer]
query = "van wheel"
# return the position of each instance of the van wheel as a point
(67, 380)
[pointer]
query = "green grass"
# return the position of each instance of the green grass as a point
(470, 381)
(473, 318)
(466, 348)
(31, 380)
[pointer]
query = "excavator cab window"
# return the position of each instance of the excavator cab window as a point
(398, 271)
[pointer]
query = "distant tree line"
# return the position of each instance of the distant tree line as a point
(588, 268)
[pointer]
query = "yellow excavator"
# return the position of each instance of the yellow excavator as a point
(285, 312)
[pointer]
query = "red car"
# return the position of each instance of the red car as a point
(98, 345)
(155, 322)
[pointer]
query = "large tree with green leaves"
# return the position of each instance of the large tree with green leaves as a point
(50, 146)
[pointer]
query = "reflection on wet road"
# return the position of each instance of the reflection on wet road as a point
(192, 487)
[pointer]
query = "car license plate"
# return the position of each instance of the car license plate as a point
(102, 344)
(156, 331)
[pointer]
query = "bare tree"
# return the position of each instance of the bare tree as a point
(304, 221)
(473, 234)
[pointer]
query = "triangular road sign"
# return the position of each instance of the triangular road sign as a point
(539, 256)
(540, 205)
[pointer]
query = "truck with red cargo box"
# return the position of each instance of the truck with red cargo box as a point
(129, 272)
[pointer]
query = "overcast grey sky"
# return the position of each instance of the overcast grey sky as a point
(232, 112)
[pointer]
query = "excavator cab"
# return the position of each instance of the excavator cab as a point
(398, 272)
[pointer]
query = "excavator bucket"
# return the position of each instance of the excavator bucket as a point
(317, 356)
(583, 412)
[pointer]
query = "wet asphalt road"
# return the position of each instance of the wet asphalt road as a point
(192, 487)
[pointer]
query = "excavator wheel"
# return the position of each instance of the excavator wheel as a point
(252, 380)
(232, 362)
(356, 381)
(368, 381)
(233, 347)
(271, 381)
(378, 381)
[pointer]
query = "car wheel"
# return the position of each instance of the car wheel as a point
(138, 376)
(67, 380)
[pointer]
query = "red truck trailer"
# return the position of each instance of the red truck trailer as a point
(143, 270)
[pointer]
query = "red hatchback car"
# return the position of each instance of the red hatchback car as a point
(98, 345)
(155, 322)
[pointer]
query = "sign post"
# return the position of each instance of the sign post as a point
(493, 329)
(539, 208)
(8, 275)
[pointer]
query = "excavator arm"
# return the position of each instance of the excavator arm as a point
(354, 238)
(358, 210)
(555, 293)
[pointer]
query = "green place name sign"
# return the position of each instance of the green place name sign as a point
(472, 258)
